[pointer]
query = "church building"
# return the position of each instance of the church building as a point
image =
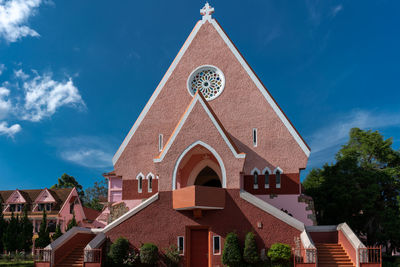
(212, 153)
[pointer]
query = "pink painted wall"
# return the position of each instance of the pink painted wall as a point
(292, 205)
(205, 131)
(240, 108)
(15, 198)
(350, 250)
(64, 213)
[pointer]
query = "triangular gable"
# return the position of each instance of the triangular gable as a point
(45, 197)
(198, 98)
(73, 195)
(16, 197)
(207, 19)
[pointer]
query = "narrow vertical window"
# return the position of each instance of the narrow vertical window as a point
(71, 208)
(217, 245)
(160, 142)
(181, 246)
(255, 185)
(278, 178)
(140, 184)
(266, 179)
(255, 172)
(150, 184)
(254, 137)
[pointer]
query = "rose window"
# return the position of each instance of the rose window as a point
(209, 80)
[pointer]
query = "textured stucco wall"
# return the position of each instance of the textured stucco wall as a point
(160, 224)
(205, 131)
(240, 108)
(350, 250)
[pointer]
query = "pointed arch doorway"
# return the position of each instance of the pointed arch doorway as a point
(199, 164)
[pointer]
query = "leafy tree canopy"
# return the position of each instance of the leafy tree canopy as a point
(67, 181)
(361, 188)
(94, 194)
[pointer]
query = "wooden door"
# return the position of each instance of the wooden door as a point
(199, 248)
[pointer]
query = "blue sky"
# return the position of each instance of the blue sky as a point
(76, 74)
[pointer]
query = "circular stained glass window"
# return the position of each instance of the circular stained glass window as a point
(209, 80)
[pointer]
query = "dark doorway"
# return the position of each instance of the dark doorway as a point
(208, 177)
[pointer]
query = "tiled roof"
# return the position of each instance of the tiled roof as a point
(60, 195)
(91, 214)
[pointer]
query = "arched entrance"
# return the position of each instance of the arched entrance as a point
(208, 177)
(201, 165)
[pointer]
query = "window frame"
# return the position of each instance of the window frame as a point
(219, 244)
(267, 173)
(181, 252)
(253, 172)
(160, 142)
(276, 172)
(140, 178)
(255, 137)
(150, 178)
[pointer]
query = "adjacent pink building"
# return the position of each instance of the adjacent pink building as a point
(59, 204)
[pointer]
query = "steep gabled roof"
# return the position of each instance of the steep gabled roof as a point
(199, 98)
(268, 97)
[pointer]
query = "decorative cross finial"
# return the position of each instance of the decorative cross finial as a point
(206, 11)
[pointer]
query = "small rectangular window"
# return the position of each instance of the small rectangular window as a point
(48, 206)
(160, 142)
(217, 245)
(254, 137)
(181, 245)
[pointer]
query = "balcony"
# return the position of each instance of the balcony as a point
(197, 197)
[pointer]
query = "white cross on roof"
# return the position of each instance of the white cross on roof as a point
(206, 11)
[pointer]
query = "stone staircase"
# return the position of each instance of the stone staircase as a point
(74, 258)
(332, 255)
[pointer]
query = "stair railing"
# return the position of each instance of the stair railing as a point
(370, 256)
(92, 255)
(305, 257)
(42, 255)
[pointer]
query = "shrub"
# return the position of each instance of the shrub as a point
(58, 232)
(149, 254)
(279, 254)
(250, 254)
(172, 256)
(119, 250)
(231, 253)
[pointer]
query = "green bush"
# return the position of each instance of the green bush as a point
(172, 257)
(149, 254)
(279, 254)
(250, 254)
(231, 253)
(119, 250)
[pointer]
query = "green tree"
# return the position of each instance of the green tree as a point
(279, 254)
(10, 241)
(149, 254)
(94, 194)
(57, 233)
(67, 181)
(25, 232)
(231, 255)
(44, 236)
(361, 188)
(119, 251)
(250, 253)
(71, 223)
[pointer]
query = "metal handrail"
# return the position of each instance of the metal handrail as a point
(305, 256)
(42, 255)
(370, 255)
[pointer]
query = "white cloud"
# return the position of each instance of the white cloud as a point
(14, 15)
(336, 10)
(2, 68)
(10, 131)
(92, 158)
(43, 96)
(87, 151)
(326, 141)
(5, 104)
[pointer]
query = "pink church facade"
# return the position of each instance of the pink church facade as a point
(211, 153)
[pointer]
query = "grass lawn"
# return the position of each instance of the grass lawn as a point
(17, 263)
